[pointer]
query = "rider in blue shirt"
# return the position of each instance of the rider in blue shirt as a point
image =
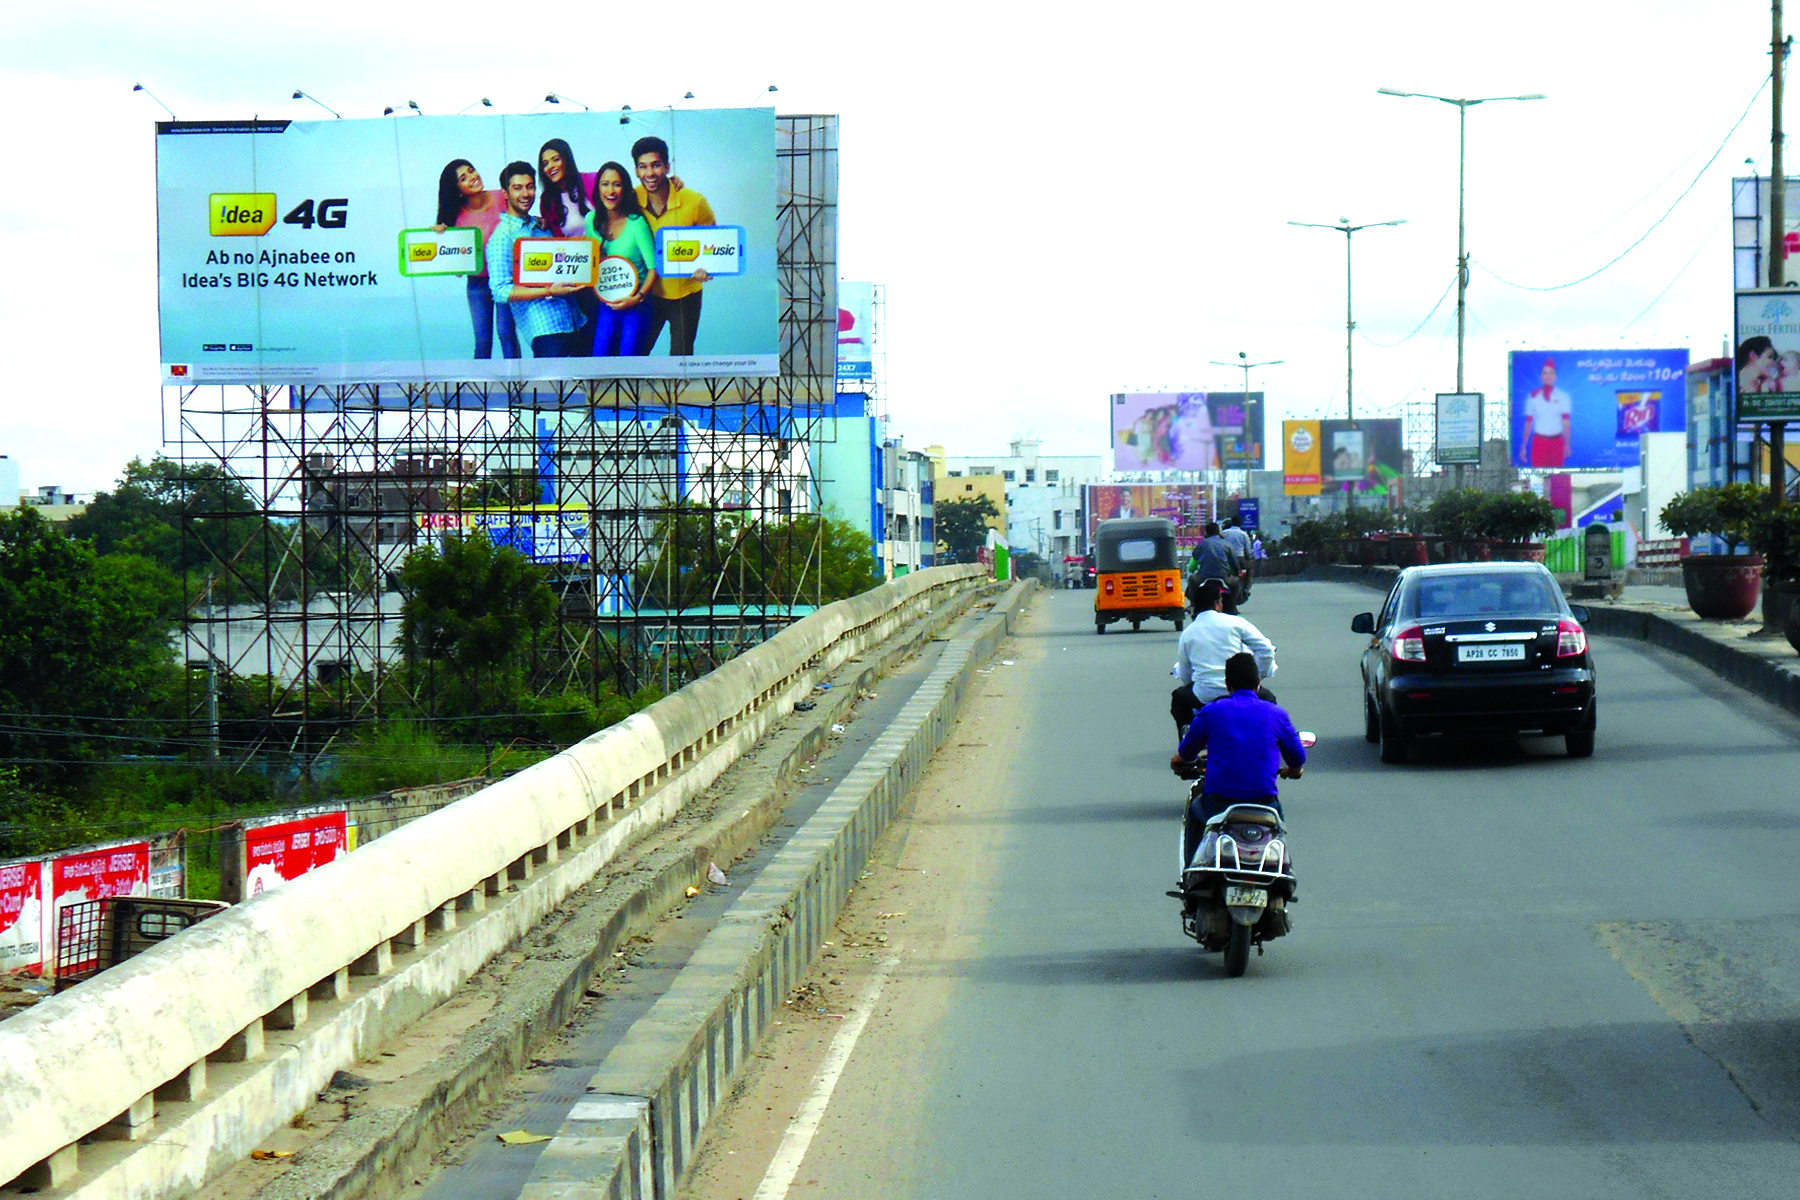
(1249, 743)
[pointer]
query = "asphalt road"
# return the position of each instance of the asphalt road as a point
(1511, 973)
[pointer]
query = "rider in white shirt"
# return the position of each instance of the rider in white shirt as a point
(1210, 639)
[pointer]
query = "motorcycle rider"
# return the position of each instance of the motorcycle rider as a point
(1212, 637)
(1250, 742)
(1233, 532)
(1215, 558)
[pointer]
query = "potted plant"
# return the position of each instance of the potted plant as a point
(1720, 587)
(1405, 547)
(1515, 519)
(1455, 517)
(1774, 534)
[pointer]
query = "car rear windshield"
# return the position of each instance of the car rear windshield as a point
(1488, 593)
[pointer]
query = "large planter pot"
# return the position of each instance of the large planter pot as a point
(1781, 607)
(1407, 551)
(1519, 552)
(1368, 552)
(1722, 587)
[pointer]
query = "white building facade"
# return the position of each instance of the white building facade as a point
(1045, 495)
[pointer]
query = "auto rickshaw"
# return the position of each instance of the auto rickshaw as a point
(1139, 574)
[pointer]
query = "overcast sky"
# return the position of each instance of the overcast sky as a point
(1061, 203)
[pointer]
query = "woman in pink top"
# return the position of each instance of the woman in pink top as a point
(463, 200)
(563, 206)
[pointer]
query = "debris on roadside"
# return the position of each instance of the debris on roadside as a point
(519, 1137)
(265, 1155)
(715, 875)
(805, 705)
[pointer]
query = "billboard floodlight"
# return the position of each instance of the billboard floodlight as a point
(300, 95)
(138, 87)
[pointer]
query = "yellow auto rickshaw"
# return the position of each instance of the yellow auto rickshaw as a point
(1139, 574)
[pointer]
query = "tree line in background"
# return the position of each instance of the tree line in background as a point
(101, 732)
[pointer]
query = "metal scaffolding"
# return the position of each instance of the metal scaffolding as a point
(669, 515)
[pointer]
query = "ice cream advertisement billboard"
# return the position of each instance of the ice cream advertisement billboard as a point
(541, 247)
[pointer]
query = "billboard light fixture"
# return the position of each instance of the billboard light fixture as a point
(559, 98)
(138, 87)
(484, 102)
(300, 95)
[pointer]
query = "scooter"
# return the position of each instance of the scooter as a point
(1236, 889)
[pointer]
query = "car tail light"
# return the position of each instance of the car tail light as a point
(1408, 645)
(1571, 639)
(1109, 587)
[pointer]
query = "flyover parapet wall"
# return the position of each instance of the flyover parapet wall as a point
(93, 1065)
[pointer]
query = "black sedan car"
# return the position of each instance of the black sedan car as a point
(1476, 648)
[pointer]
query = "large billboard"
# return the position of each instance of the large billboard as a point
(1366, 457)
(1187, 431)
(408, 250)
(1584, 409)
(1189, 505)
(1768, 355)
(856, 331)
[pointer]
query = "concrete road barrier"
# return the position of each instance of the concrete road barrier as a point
(83, 1075)
(634, 1134)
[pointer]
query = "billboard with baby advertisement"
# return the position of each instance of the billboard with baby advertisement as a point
(1584, 409)
(548, 246)
(1768, 355)
(1366, 457)
(1187, 431)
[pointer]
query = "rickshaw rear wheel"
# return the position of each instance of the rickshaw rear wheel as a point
(1136, 625)
(1099, 625)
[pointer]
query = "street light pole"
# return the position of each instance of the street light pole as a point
(1463, 105)
(1244, 364)
(1347, 229)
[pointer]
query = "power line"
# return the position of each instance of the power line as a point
(1409, 337)
(1525, 287)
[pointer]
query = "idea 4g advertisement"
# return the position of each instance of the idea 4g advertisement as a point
(541, 247)
(1584, 409)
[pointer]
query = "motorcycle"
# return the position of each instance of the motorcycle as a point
(1236, 889)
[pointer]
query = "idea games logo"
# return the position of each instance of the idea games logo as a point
(240, 214)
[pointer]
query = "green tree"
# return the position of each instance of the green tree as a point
(469, 617)
(961, 526)
(85, 644)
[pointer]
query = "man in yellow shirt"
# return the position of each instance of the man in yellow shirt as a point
(674, 302)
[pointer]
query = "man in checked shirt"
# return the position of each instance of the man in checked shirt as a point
(542, 312)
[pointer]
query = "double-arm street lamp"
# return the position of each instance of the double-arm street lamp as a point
(1347, 229)
(1463, 105)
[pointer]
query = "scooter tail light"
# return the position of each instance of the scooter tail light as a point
(1571, 639)
(1408, 645)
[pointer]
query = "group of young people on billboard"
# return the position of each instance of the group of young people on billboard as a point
(619, 312)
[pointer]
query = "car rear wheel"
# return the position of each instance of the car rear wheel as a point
(1580, 742)
(1393, 741)
(1371, 720)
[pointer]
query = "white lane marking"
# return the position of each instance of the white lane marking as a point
(798, 1138)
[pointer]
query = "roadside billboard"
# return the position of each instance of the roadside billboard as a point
(372, 251)
(1458, 436)
(1585, 409)
(274, 854)
(1366, 457)
(856, 331)
(1187, 431)
(1767, 360)
(21, 916)
(1189, 505)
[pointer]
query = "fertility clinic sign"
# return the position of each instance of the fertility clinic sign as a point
(337, 252)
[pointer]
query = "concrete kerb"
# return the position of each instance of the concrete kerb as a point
(1766, 678)
(388, 1145)
(75, 1062)
(634, 1135)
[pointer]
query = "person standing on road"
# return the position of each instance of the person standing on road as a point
(1250, 742)
(1207, 643)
